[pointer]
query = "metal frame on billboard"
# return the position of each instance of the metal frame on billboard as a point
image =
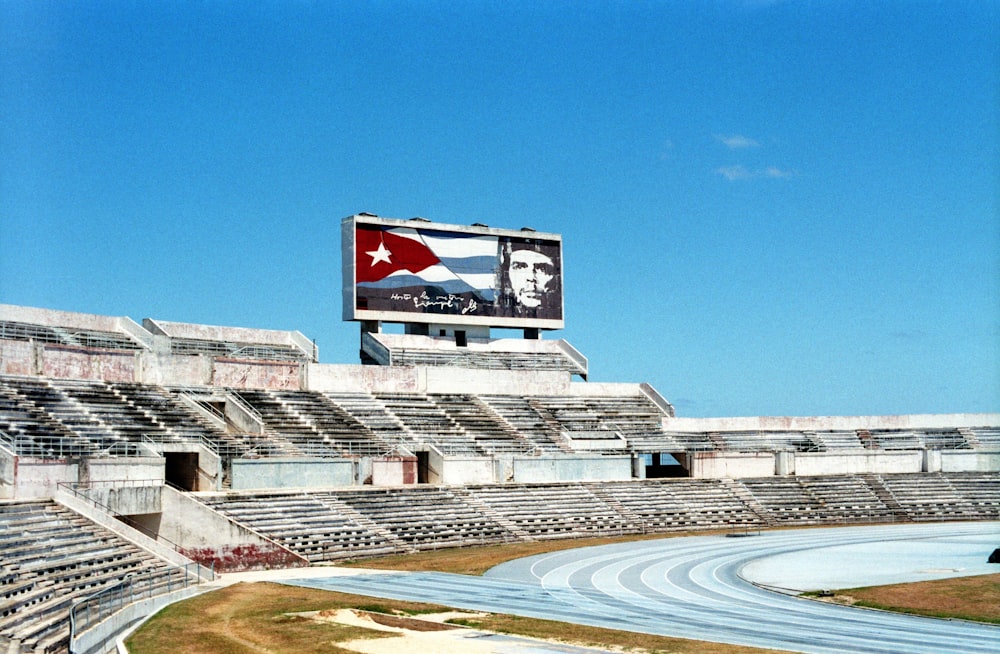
(416, 271)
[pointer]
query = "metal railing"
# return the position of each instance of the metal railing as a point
(103, 604)
(74, 488)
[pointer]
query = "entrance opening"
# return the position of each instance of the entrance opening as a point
(460, 340)
(423, 467)
(661, 465)
(181, 470)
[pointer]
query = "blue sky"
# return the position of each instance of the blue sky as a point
(768, 208)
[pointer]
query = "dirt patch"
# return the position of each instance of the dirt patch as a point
(396, 622)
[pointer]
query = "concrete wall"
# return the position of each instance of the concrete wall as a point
(571, 468)
(429, 379)
(730, 465)
(128, 500)
(8, 474)
(17, 358)
(860, 462)
(208, 537)
(457, 470)
(241, 373)
(834, 423)
(394, 471)
(132, 468)
(969, 461)
(41, 477)
(61, 361)
(292, 473)
(182, 370)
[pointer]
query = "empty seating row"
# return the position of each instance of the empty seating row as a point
(20, 331)
(338, 524)
(268, 352)
(52, 557)
(65, 417)
(466, 358)
(952, 496)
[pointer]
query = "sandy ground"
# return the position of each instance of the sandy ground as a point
(458, 640)
(452, 641)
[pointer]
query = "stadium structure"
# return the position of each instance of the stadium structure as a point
(138, 459)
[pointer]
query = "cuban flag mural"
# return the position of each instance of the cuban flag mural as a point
(416, 270)
(399, 258)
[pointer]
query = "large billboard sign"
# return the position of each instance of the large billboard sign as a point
(422, 272)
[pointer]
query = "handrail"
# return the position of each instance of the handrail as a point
(101, 605)
(574, 354)
(242, 402)
(204, 442)
(71, 487)
(377, 348)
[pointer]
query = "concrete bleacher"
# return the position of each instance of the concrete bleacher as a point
(309, 524)
(518, 411)
(546, 511)
(69, 336)
(65, 417)
(769, 441)
(818, 500)
(341, 430)
(478, 353)
(77, 432)
(424, 517)
(424, 418)
(664, 506)
(491, 432)
(52, 558)
(939, 496)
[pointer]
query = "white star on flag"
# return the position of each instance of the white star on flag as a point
(381, 254)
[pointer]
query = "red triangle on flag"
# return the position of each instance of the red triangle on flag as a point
(379, 253)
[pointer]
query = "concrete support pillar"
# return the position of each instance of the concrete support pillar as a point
(784, 463)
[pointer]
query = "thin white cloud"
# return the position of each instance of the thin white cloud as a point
(665, 150)
(772, 171)
(735, 173)
(737, 141)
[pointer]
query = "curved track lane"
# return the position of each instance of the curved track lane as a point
(693, 588)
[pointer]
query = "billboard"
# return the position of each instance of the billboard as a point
(421, 272)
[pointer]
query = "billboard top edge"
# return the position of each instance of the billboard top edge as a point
(423, 223)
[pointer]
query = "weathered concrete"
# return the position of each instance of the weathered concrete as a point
(8, 473)
(730, 465)
(182, 370)
(833, 423)
(969, 461)
(103, 634)
(230, 334)
(132, 468)
(569, 467)
(460, 470)
(292, 472)
(128, 500)
(394, 470)
(41, 477)
(18, 358)
(858, 462)
(208, 537)
(242, 373)
(109, 522)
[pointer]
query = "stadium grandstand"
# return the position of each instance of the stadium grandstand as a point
(137, 459)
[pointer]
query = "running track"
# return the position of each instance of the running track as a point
(692, 588)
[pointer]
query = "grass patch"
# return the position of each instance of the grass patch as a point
(974, 598)
(251, 618)
(255, 618)
(477, 560)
